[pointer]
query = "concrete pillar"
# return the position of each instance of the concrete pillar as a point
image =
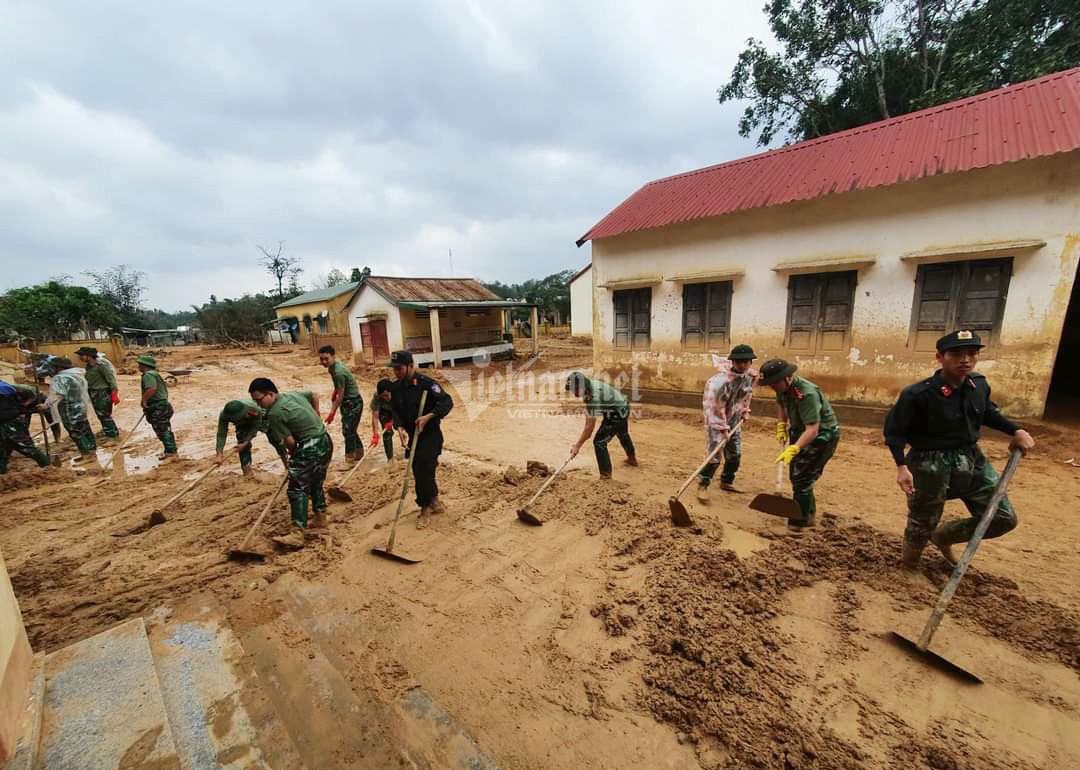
(15, 663)
(436, 340)
(534, 321)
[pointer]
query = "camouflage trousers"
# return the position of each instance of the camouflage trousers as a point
(351, 410)
(78, 427)
(953, 474)
(103, 406)
(307, 472)
(808, 465)
(158, 414)
(246, 437)
(732, 454)
(15, 438)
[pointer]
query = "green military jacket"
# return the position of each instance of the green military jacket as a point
(154, 380)
(293, 415)
(100, 377)
(343, 380)
(805, 404)
(604, 399)
(244, 413)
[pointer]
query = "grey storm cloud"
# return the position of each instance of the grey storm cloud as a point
(174, 137)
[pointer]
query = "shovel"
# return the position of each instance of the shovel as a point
(680, 517)
(777, 504)
(123, 444)
(920, 648)
(337, 491)
(523, 513)
(388, 552)
(240, 553)
(157, 516)
(54, 460)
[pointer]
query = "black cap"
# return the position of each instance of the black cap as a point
(86, 351)
(775, 370)
(741, 353)
(400, 358)
(961, 338)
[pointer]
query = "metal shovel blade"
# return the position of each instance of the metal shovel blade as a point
(777, 505)
(339, 494)
(235, 554)
(680, 517)
(526, 517)
(933, 659)
(394, 556)
(156, 517)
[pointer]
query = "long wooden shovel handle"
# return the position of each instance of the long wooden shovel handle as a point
(712, 455)
(265, 510)
(408, 475)
(123, 444)
(353, 470)
(969, 552)
(780, 471)
(547, 483)
(195, 482)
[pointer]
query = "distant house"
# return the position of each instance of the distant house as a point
(581, 302)
(441, 320)
(316, 312)
(852, 253)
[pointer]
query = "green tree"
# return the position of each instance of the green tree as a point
(241, 320)
(844, 63)
(53, 310)
(551, 294)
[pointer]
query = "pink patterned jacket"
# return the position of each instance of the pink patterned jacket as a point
(726, 398)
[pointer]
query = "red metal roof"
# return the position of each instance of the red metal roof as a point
(1019, 122)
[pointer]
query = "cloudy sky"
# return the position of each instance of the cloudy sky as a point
(174, 137)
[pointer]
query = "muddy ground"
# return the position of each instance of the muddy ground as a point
(606, 638)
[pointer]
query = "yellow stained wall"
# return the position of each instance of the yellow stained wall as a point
(456, 329)
(1028, 200)
(336, 322)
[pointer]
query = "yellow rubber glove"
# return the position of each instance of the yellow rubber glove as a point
(781, 431)
(787, 455)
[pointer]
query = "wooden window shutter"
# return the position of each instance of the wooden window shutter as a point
(802, 312)
(934, 304)
(694, 316)
(982, 301)
(837, 301)
(641, 304)
(718, 315)
(621, 300)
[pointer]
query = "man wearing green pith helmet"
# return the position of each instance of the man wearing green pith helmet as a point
(156, 406)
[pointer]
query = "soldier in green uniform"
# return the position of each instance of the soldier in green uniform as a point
(382, 417)
(101, 382)
(70, 394)
(808, 424)
(613, 409)
(292, 420)
(347, 398)
(156, 406)
(940, 419)
(247, 417)
(14, 437)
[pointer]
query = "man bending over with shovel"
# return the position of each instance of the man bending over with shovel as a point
(382, 417)
(248, 418)
(292, 420)
(808, 425)
(424, 435)
(604, 401)
(940, 419)
(726, 401)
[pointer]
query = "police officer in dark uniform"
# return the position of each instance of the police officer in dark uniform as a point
(940, 419)
(423, 436)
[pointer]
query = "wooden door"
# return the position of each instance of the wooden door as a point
(379, 343)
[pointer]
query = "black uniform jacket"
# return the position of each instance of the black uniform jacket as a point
(934, 415)
(405, 402)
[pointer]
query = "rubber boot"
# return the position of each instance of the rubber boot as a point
(942, 542)
(295, 539)
(319, 520)
(248, 472)
(703, 493)
(437, 506)
(909, 557)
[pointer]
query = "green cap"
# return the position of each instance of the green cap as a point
(775, 370)
(147, 360)
(741, 353)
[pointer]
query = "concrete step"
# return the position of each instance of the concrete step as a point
(330, 726)
(27, 747)
(103, 706)
(219, 714)
(428, 735)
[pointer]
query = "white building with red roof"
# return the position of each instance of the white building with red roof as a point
(852, 253)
